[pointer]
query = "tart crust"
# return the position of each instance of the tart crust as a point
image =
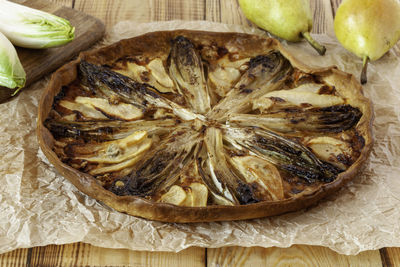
(158, 44)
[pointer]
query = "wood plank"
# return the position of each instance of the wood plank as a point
(111, 12)
(335, 4)
(142, 11)
(230, 13)
(177, 9)
(81, 254)
(322, 16)
(298, 255)
(390, 256)
(16, 257)
(226, 11)
(66, 3)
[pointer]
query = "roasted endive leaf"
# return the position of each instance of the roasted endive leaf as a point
(108, 130)
(266, 73)
(160, 168)
(109, 84)
(220, 174)
(186, 69)
(112, 85)
(333, 119)
(284, 153)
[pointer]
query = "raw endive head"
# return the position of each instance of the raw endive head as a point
(31, 28)
(12, 74)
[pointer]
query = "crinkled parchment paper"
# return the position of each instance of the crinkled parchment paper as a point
(39, 207)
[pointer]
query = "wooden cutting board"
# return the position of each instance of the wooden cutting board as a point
(38, 63)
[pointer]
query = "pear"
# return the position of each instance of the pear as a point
(288, 19)
(368, 28)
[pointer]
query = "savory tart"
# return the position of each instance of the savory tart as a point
(189, 126)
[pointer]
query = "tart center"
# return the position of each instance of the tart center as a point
(195, 130)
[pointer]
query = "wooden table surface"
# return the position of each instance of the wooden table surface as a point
(80, 254)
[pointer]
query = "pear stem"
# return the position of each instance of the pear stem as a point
(317, 46)
(363, 78)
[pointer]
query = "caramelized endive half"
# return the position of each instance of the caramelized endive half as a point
(186, 69)
(284, 153)
(160, 168)
(328, 119)
(265, 73)
(189, 126)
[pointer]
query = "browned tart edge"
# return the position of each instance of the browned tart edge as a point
(137, 206)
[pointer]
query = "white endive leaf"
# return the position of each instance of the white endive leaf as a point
(32, 28)
(12, 74)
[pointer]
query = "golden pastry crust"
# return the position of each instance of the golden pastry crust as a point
(211, 46)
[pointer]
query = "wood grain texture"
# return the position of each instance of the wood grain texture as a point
(228, 11)
(80, 254)
(293, 256)
(322, 16)
(390, 257)
(55, 3)
(16, 257)
(177, 9)
(335, 4)
(225, 11)
(110, 12)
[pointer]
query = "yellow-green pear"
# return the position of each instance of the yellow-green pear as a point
(368, 28)
(288, 19)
